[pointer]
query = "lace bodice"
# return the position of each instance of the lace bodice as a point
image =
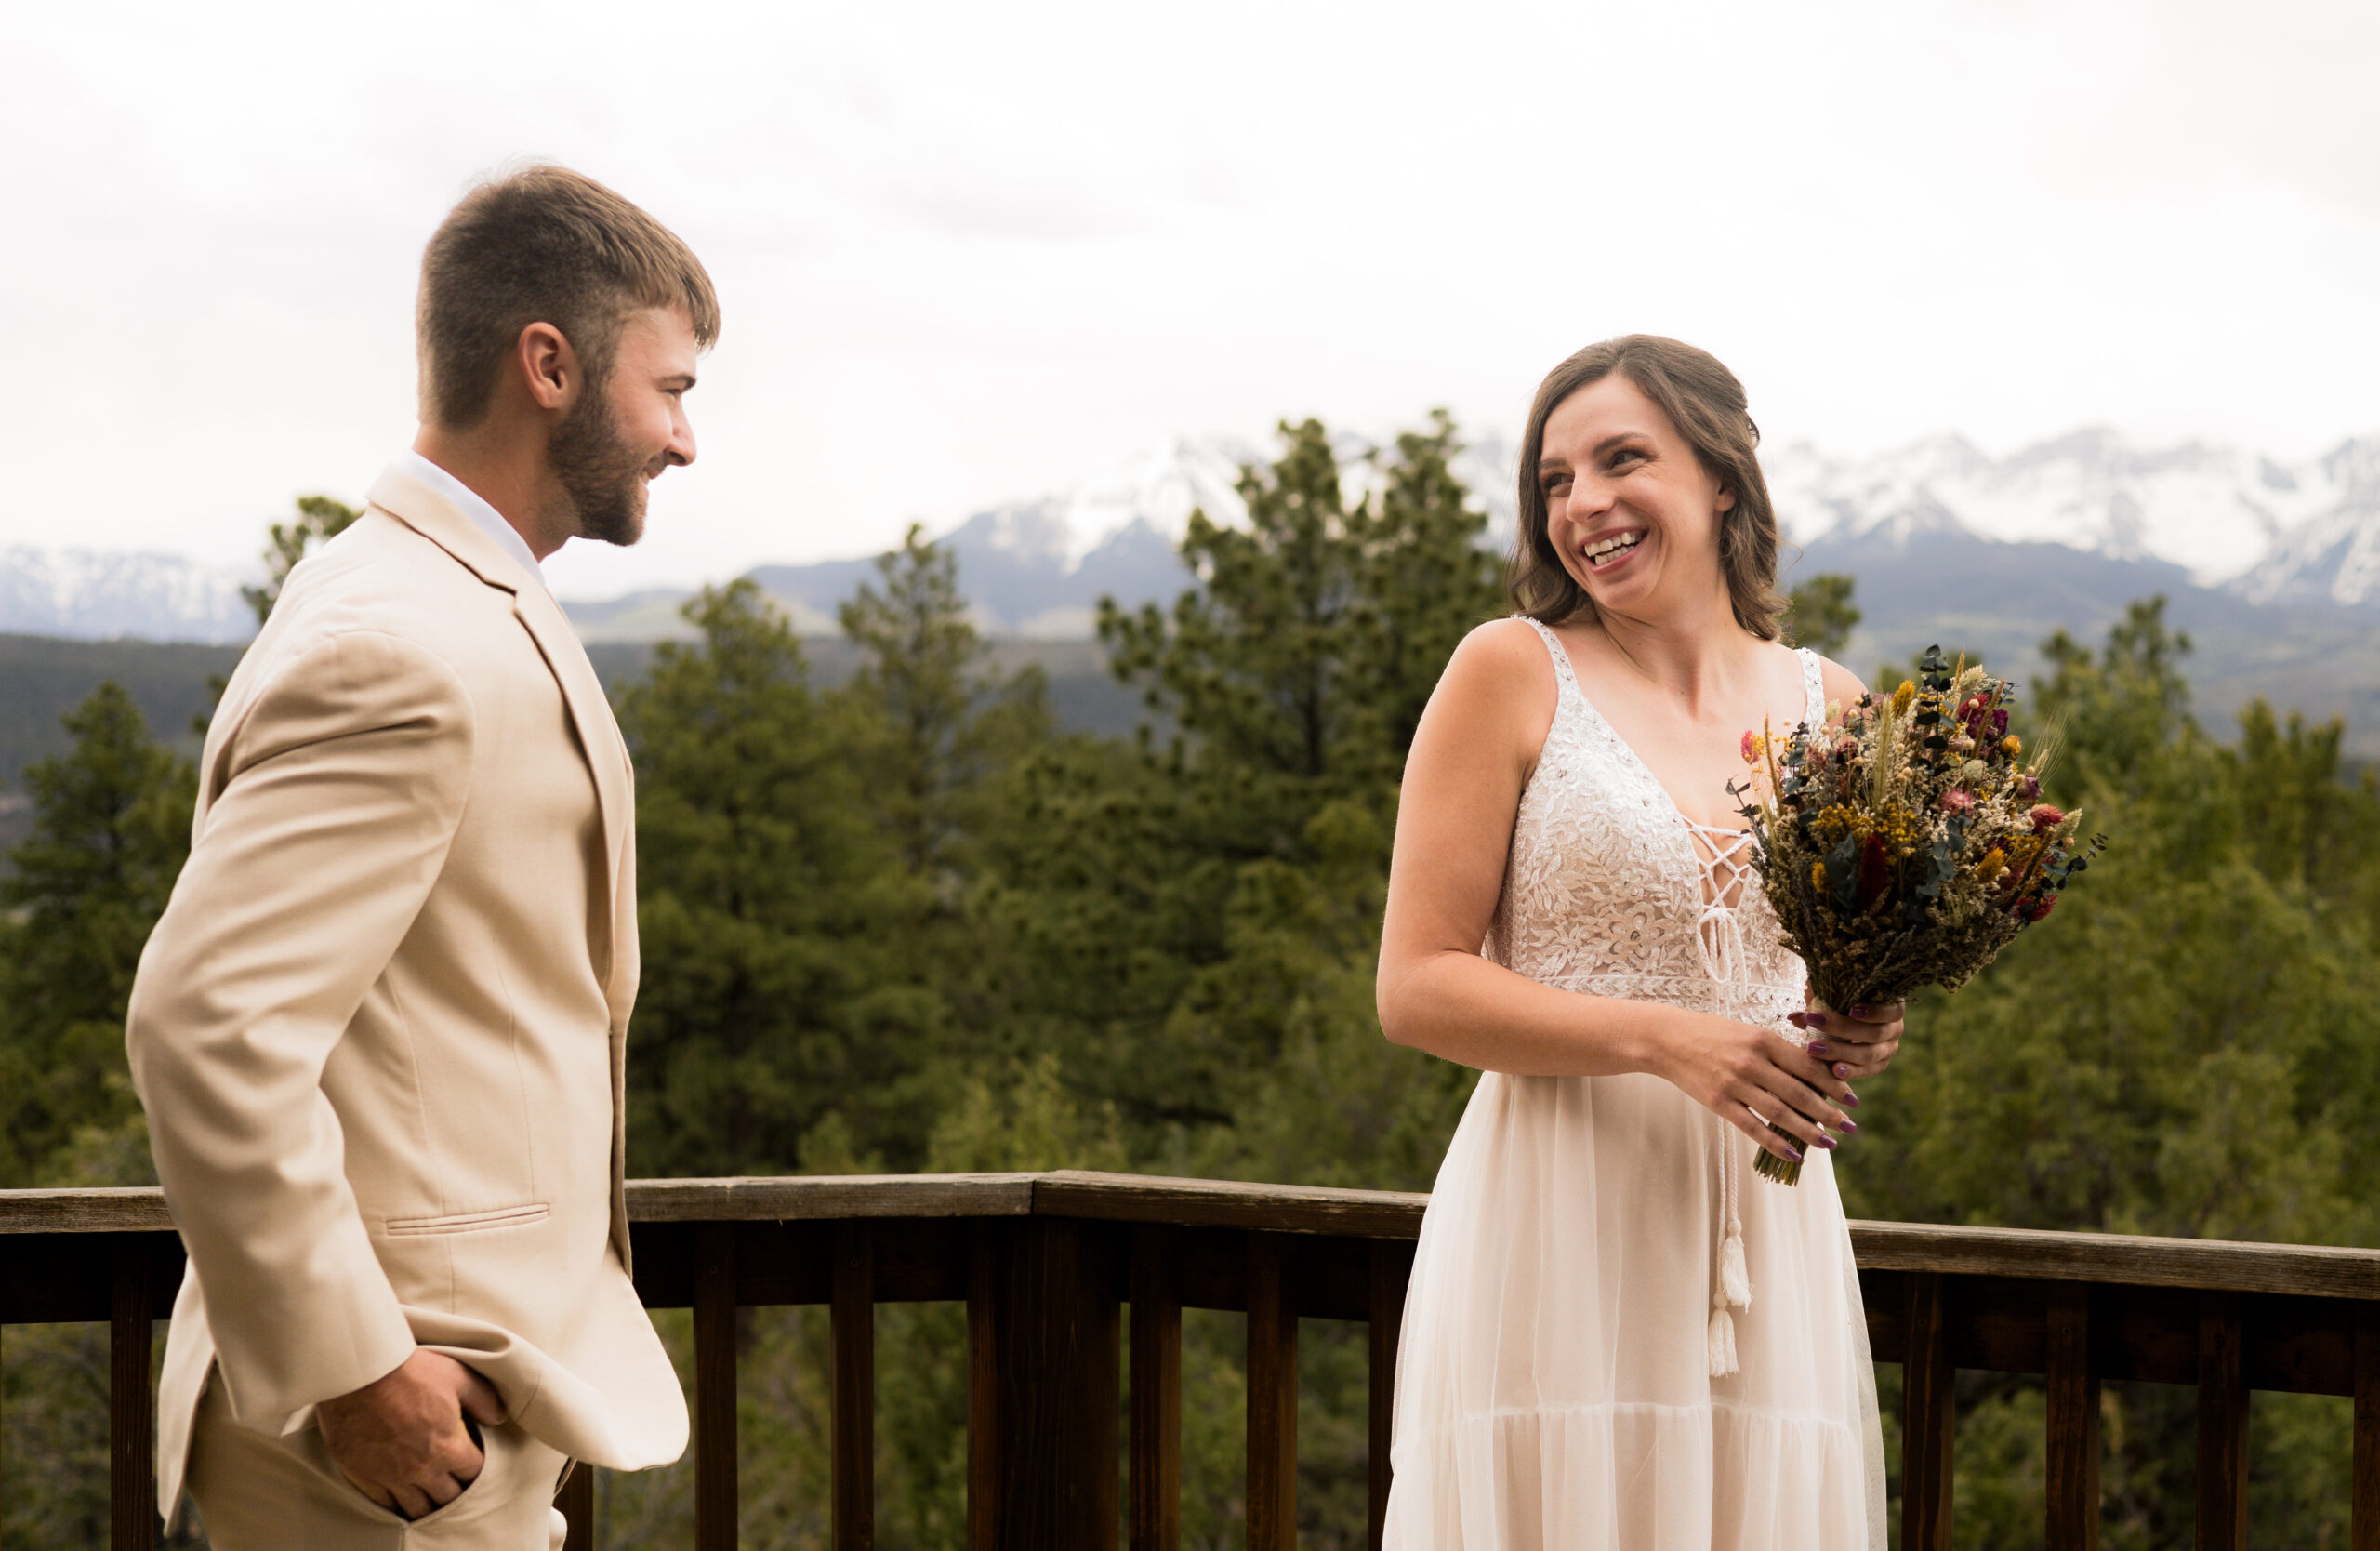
(1610, 891)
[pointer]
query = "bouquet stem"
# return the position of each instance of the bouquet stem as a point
(1769, 1166)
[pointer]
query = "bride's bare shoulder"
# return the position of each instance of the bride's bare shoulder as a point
(1503, 657)
(1839, 683)
(1497, 688)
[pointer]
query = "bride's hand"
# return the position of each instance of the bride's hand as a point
(1754, 1078)
(1857, 1043)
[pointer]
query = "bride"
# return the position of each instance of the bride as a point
(1617, 1335)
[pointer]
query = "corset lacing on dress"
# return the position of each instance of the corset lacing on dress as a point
(1726, 872)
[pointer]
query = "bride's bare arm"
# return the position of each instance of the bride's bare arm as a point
(1472, 756)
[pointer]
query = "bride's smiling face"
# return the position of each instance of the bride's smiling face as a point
(1632, 512)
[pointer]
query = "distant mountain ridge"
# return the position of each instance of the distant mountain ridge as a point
(98, 595)
(2271, 531)
(2301, 534)
(1037, 567)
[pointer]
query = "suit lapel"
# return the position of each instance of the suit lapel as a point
(607, 756)
(433, 516)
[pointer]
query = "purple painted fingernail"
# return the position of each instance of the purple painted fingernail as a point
(1818, 1020)
(1841, 1070)
(1850, 1125)
(1828, 1143)
(1850, 1098)
(1860, 1010)
(1818, 1047)
(1799, 1020)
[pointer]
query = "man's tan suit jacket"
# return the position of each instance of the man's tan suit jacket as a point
(379, 1028)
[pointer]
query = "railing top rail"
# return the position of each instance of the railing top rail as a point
(130, 1210)
(2220, 1265)
(2098, 1257)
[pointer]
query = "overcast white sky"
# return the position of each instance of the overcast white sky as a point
(968, 252)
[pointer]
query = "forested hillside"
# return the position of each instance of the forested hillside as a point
(904, 917)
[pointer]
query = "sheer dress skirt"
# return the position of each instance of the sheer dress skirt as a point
(1554, 1385)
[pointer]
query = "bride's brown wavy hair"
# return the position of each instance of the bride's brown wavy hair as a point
(1707, 404)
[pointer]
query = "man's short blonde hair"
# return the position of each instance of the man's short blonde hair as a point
(543, 245)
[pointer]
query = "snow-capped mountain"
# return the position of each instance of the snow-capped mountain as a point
(1038, 567)
(2229, 518)
(94, 594)
(2334, 554)
(1158, 487)
(2260, 530)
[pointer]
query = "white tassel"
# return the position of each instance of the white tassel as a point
(1723, 1337)
(1734, 1281)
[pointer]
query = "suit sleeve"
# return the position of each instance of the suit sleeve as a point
(336, 797)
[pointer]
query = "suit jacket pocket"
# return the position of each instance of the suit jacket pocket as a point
(468, 1222)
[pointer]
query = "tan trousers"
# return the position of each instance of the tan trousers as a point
(260, 1494)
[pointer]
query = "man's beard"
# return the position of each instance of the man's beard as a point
(600, 472)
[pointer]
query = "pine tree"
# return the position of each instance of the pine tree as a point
(949, 722)
(112, 821)
(1819, 614)
(1217, 896)
(320, 519)
(771, 999)
(2189, 1048)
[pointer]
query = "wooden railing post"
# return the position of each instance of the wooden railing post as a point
(853, 1332)
(576, 1501)
(2222, 1425)
(1055, 1322)
(1272, 1396)
(132, 1413)
(1391, 1270)
(1928, 1420)
(1154, 1448)
(984, 1466)
(2363, 1511)
(2073, 1443)
(715, 1504)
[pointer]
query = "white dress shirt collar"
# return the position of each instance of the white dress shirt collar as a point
(469, 502)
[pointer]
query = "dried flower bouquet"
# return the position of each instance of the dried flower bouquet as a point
(1903, 842)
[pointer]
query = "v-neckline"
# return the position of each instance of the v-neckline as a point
(1705, 873)
(1570, 671)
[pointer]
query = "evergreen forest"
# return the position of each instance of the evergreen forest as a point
(909, 923)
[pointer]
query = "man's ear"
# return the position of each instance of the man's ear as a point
(549, 366)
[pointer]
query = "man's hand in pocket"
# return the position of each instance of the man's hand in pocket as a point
(401, 1438)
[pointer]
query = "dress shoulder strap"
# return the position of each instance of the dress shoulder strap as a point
(1813, 688)
(1566, 678)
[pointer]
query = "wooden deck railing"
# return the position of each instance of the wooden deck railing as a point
(1044, 1262)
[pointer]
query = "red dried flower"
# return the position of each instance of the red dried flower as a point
(2046, 817)
(1875, 871)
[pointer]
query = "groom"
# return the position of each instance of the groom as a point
(378, 1030)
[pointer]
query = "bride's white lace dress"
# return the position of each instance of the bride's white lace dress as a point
(1617, 1335)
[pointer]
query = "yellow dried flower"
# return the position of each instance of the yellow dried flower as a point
(1903, 696)
(1899, 830)
(1834, 822)
(2012, 746)
(1994, 861)
(1818, 876)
